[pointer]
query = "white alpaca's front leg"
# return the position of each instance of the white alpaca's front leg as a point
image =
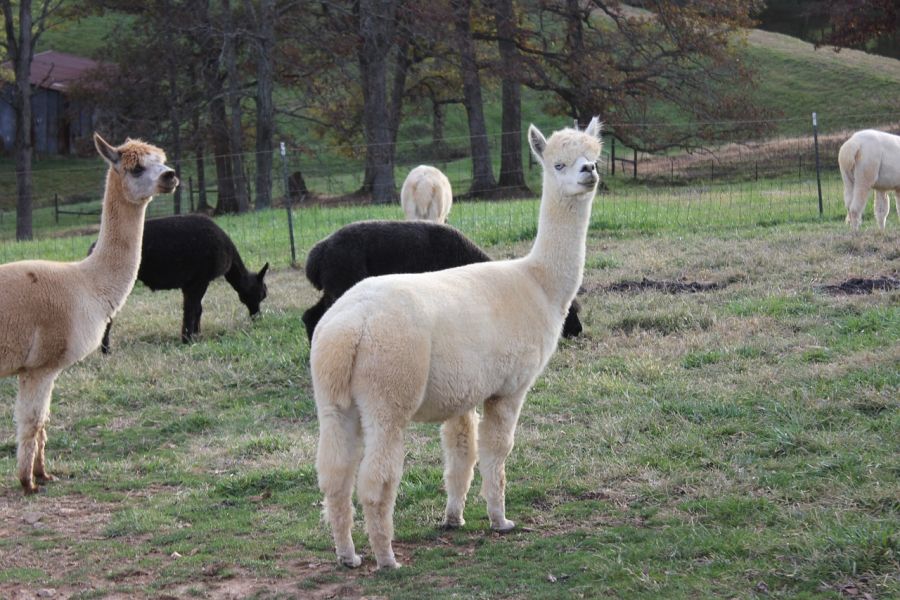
(495, 441)
(459, 437)
(337, 460)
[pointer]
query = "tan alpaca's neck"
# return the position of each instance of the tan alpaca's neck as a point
(113, 265)
(557, 258)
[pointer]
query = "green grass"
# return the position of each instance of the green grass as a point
(717, 444)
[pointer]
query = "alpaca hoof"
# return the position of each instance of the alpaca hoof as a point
(30, 489)
(389, 564)
(505, 526)
(351, 562)
(453, 523)
(41, 478)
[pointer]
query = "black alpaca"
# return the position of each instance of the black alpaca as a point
(187, 252)
(370, 248)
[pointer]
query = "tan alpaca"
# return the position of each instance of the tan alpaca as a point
(426, 195)
(869, 160)
(434, 346)
(53, 314)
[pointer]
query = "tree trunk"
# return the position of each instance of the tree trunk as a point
(176, 133)
(512, 178)
(235, 125)
(21, 52)
(483, 182)
(265, 109)
(376, 31)
(437, 125)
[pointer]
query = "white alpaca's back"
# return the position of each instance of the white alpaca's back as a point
(426, 195)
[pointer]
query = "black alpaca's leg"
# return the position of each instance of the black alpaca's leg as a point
(104, 343)
(312, 316)
(193, 297)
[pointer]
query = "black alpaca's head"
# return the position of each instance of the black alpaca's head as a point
(254, 290)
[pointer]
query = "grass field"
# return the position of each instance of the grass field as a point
(731, 444)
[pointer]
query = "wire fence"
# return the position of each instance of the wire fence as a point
(729, 185)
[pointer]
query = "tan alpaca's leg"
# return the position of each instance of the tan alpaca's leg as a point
(40, 466)
(459, 436)
(882, 207)
(379, 478)
(337, 460)
(31, 413)
(495, 441)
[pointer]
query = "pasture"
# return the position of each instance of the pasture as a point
(740, 442)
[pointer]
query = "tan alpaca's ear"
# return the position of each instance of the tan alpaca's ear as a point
(108, 153)
(537, 141)
(594, 128)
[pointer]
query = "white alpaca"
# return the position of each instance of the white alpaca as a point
(52, 314)
(870, 159)
(426, 195)
(434, 346)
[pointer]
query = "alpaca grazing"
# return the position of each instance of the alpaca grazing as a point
(370, 248)
(426, 195)
(434, 346)
(52, 314)
(187, 252)
(869, 160)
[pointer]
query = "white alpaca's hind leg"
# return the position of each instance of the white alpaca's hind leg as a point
(495, 441)
(379, 478)
(882, 207)
(459, 436)
(31, 413)
(337, 461)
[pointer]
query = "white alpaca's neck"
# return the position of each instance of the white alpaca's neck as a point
(113, 265)
(557, 257)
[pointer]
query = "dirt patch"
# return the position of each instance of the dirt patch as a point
(669, 287)
(861, 285)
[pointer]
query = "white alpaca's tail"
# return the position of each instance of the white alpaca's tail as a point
(331, 361)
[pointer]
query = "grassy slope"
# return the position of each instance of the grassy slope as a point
(721, 444)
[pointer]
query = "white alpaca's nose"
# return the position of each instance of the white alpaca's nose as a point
(589, 168)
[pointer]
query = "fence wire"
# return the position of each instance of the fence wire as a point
(731, 185)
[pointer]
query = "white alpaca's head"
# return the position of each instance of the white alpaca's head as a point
(141, 168)
(569, 158)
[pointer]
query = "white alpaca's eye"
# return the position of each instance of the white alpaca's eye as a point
(559, 166)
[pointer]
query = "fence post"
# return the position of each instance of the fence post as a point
(56, 208)
(635, 165)
(287, 204)
(818, 168)
(612, 156)
(191, 192)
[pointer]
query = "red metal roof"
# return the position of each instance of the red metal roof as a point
(57, 70)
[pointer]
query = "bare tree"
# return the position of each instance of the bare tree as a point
(376, 28)
(19, 45)
(483, 182)
(512, 179)
(264, 43)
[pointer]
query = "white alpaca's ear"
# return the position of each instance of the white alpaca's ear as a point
(537, 141)
(108, 153)
(594, 128)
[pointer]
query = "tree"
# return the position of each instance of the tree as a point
(512, 179)
(263, 43)
(483, 182)
(863, 24)
(19, 44)
(376, 28)
(637, 66)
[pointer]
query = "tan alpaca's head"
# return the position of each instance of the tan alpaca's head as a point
(569, 158)
(141, 167)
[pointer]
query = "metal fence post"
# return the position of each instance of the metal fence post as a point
(635, 165)
(818, 168)
(612, 157)
(287, 204)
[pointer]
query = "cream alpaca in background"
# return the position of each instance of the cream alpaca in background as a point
(869, 160)
(52, 314)
(434, 346)
(426, 195)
